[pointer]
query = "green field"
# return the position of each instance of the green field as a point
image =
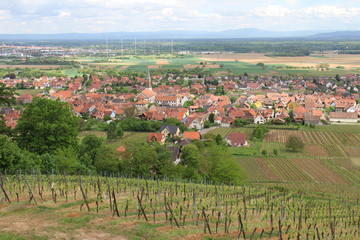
(32, 92)
(128, 139)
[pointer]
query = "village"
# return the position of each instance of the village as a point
(201, 104)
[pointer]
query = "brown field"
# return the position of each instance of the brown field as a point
(31, 66)
(154, 66)
(162, 62)
(334, 60)
(124, 67)
(212, 66)
(191, 66)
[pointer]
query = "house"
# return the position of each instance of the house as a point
(156, 137)
(170, 131)
(236, 139)
(164, 100)
(191, 135)
(259, 119)
(147, 94)
(194, 122)
(347, 117)
(311, 118)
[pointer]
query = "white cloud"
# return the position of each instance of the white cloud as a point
(47, 16)
(271, 11)
(330, 11)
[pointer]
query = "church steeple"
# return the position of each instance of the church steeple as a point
(148, 79)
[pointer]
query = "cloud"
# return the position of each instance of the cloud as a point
(48, 16)
(271, 11)
(331, 11)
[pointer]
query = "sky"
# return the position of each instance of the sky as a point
(96, 16)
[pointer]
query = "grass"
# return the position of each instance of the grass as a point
(32, 92)
(128, 139)
(71, 72)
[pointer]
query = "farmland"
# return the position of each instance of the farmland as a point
(236, 63)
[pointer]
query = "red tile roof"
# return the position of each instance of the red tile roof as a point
(237, 139)
(191, 135)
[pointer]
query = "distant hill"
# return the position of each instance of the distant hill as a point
(338, 35)
(244, 33)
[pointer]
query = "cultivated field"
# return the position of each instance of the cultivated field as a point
(348, 61)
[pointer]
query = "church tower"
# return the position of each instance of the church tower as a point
(148, 79)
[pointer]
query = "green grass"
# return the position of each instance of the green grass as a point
(32, 92)
(83, 134)
(16, 236)
(128, 139)
(71, 72)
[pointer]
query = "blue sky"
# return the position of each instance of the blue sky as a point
(87, 16)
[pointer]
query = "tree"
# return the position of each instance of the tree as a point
(218, 139)
(239, 122)
(262, 65)
(7, 95)
(190, 155)
(294, 144)
(111, 132)
(90, 146)
(12, 158)
(259, 133)
(188, 103)
(140, 160)
(130, 111)
(47, 125)
(10, 154)
(221, 166)
(120, 132)
(107, 160)
(212, 117)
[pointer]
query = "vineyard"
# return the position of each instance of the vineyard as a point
(329, 157)
(116, 207)
(224, 131)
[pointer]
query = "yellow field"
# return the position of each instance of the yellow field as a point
(154, 66)
(162, 62)
(334, 60)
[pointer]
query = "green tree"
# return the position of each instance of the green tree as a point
(7, 95)
(212, 117)
(120, 132)
(218, 139)
(111, 132)
(188, 103)
(107, 160)
(294, 144)
(221, 166)
(239, 122)
(163, 165)
(66, 160)
(90, 146)
(10, 154)
(140, 160)
(259, 133)
(190, 156)
(47, 125)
